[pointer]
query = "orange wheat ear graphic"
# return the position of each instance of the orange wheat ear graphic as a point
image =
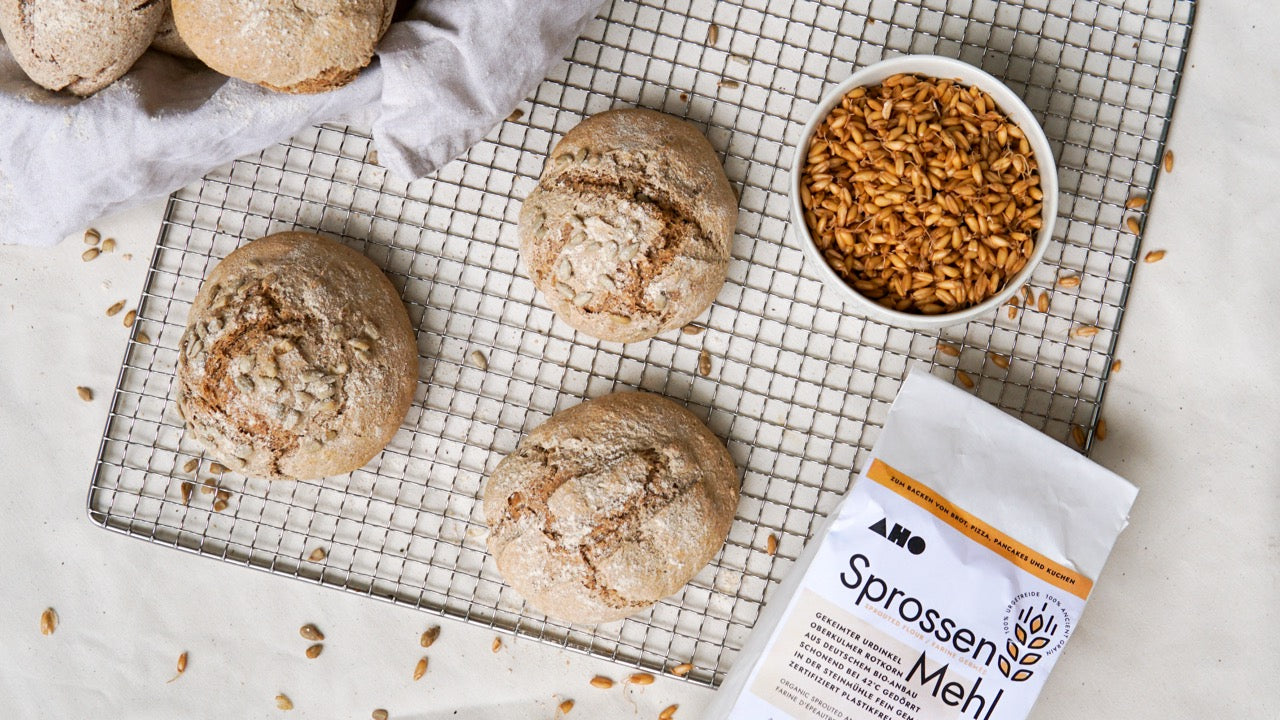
(1035, 635)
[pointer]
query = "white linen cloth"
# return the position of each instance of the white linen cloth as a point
(442, 77)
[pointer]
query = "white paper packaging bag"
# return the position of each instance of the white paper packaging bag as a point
(946, 582)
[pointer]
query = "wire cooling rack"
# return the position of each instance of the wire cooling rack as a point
(799, 389)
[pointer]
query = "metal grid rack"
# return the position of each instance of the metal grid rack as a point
(799, 388)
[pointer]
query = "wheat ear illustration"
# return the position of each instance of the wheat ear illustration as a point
(1032, 632)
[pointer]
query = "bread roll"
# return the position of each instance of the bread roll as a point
(298, 360)
(296, 46)
(75, 45)
(167, 39)
(629, 230)
(610, 506)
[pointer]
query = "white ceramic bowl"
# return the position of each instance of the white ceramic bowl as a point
(1010, 104)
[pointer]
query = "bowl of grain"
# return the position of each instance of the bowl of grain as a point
(923, 192)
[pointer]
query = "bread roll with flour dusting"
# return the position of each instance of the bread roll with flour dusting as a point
(610, 506)
(298, 360)
(78, 46)
(629, 230)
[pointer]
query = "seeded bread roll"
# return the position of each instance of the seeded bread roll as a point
(610, 506)
(296, 46)
(298, 360)
(629, 230)
(75, 45)
(167, 39)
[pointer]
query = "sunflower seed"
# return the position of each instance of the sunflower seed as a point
(191, 465)
(478, 359)
(218, 468)
(327, 406)
(182, 666)
(1085, 331)
(713, 34)
(269, 385)
(964, 379)
(640, 679)
(582, 298)
(85, 393)
(1077, 434)
(1153, 256)
(213, 326)
(496, 645)
(1001, 361)
(318, 555)
(311, 632)
(565, 707)
(515, 115)
(340, 369)
(90, 254)
(359, 344)
(1132, 224)
(692, 329)
(704, 363)
(243, 383)
(242, 364)
(1100, 432)
(309, 376)
(371, 332)
(726, 83)
(1135, 202)
(420, 669)
(565, 269)
(130, 317)
(626, 252)
(109, 245)
(1115, 365)
(314, 651)
(322, 391)
(682, 669)
(91, 237)
(601, 682)
(582, 155)
(565, 291)
(219, 505)
(144, 338)
(660, 302)
(303, 399)
(1168, 161)
(115, 308)
(283, 702)
(1069, 281)
(1042, 304)
(429, 636)
(607, 283)
(380, 714)
(668, 713)
(48, 621)
(1012, 312)
(208, 487)
(185, 490)
(948, 349)
(771, 544)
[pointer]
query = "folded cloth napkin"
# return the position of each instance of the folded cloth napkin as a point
(443, 76)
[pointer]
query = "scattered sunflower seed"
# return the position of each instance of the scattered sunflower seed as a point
(372, 157)
(771, 544)
(1085, 331)
(1077, 434)
(948, 349)
(314, 651)
(283, 702)
(1101, 431)
(668, 712)
(740, 59)
(311, 632)
(727, 83)
(1132, 224)
(1115, 365)
(1042, 304)
(515, 115)
(90, 254)
(219, 504)
(48, 621)
(130, 317)
(1153, 256)
(1069, 281)
(704, 363)
(115, 308)
(317, 555)
(692, 329)
(497, 644)
(185, 489)
(182, 666)
(601, 682)
(91, 237)
(1168, 161)
(713, 34)
(1135, 202)
(143, 337)
(380, 714)
(640, 679)
(478, 359)
(209, 487)
(85, 393)
(682, 669)
(109, 245)
(420, 669)
(964, 379)
(429, 636)
(1001, 361)
(1013, 312)
(565, 707)
(217, 467)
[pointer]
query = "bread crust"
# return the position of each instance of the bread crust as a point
(298, 360)
(629, 231)
(167, 39)
(610, 506)
(295, 46)
(78, 46)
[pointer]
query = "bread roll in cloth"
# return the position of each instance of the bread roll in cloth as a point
(610, 506)
(298, 360)
(297, 46)
(629, 230)
(76, 45)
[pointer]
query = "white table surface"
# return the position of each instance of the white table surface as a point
(1184, 623)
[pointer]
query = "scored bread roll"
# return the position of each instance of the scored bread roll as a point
(78, 46)
(629, 230)
(610, 506)
(296, 46)
(298, 360)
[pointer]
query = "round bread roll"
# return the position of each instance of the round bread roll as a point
(298, 360)
(296, 46)
(610, 506)
(167, 39)
(629, 230)
(75, 45)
